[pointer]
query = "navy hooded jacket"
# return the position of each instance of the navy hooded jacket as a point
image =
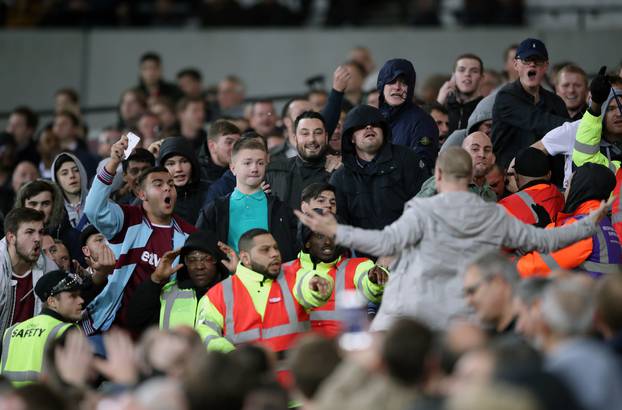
(410, 125)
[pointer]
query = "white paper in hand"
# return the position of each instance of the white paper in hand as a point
(132, 142)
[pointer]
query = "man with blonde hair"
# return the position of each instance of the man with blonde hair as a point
(435, 237)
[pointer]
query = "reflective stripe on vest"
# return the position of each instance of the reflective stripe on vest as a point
(528, 201)
(293, 327)
(586, 148)
(340, 286)
(174, 296)
(24, 376)
(549, 261)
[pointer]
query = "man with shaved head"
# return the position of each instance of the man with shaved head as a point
(425, 283)
(479, 147)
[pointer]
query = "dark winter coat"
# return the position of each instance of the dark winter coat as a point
(518, 122)
(410, 125)
(282, 223)
(372, 195)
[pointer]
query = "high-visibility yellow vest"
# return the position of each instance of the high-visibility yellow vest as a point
(177, 306)
(24, 345)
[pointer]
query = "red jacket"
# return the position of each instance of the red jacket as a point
(544, 195)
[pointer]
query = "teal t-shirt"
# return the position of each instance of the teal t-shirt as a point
(246, 212)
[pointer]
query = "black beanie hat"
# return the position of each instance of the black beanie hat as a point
(531, 162)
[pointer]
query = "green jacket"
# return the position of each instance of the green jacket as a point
(177, 306)
(428, 189)
(587, 144)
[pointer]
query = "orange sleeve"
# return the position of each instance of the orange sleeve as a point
(536, 264)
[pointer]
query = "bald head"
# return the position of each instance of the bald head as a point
(454, 164)
(479, 147)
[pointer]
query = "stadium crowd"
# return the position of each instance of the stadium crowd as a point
(364, 248)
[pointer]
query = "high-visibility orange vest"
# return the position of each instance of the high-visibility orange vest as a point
(284, 319)
(545, 195)
(325, 319)
(598, 255)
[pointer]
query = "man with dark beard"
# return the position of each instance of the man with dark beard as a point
(287, 178)
(23, 264)
(260, 303)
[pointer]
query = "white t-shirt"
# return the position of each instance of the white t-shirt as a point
(561, 140)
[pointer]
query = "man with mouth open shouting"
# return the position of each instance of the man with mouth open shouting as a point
(410, 125)
(139, 235)
(523, 110)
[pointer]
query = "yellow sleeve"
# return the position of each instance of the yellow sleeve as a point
(587, 143)
(372, 291)
(308, 298)
(209, 325)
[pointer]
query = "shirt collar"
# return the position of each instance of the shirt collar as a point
(257, 196)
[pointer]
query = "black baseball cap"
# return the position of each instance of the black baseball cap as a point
(532, 47)
(55, 282)
(87, 233)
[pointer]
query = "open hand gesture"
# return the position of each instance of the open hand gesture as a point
(232, 260)
(165, 268)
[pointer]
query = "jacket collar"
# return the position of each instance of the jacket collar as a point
(54, 314)
(535, 183)
(248, 274)
(306, 260)
(583, 209)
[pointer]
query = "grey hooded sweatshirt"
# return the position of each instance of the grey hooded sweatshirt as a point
(434, 239)
(483, 112)
(73, 213)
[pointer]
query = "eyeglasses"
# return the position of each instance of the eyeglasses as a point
(70, 282)
(194, 259)
(538, 62)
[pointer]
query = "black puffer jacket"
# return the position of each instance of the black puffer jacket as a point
(191, 196)
(281, 223)
(518, 122)
(288, 178)
(373, 196)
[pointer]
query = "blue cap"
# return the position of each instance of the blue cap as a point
(531, 47)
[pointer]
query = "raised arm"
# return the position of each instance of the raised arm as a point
(104, 214)
(518, 235)
(332, 110)
(587, 144)
(391, 240)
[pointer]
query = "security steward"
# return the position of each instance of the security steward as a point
(597, 255)
(170, 298)
(322, 255)
(261, 303)
(24, 344)
(538, 201)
